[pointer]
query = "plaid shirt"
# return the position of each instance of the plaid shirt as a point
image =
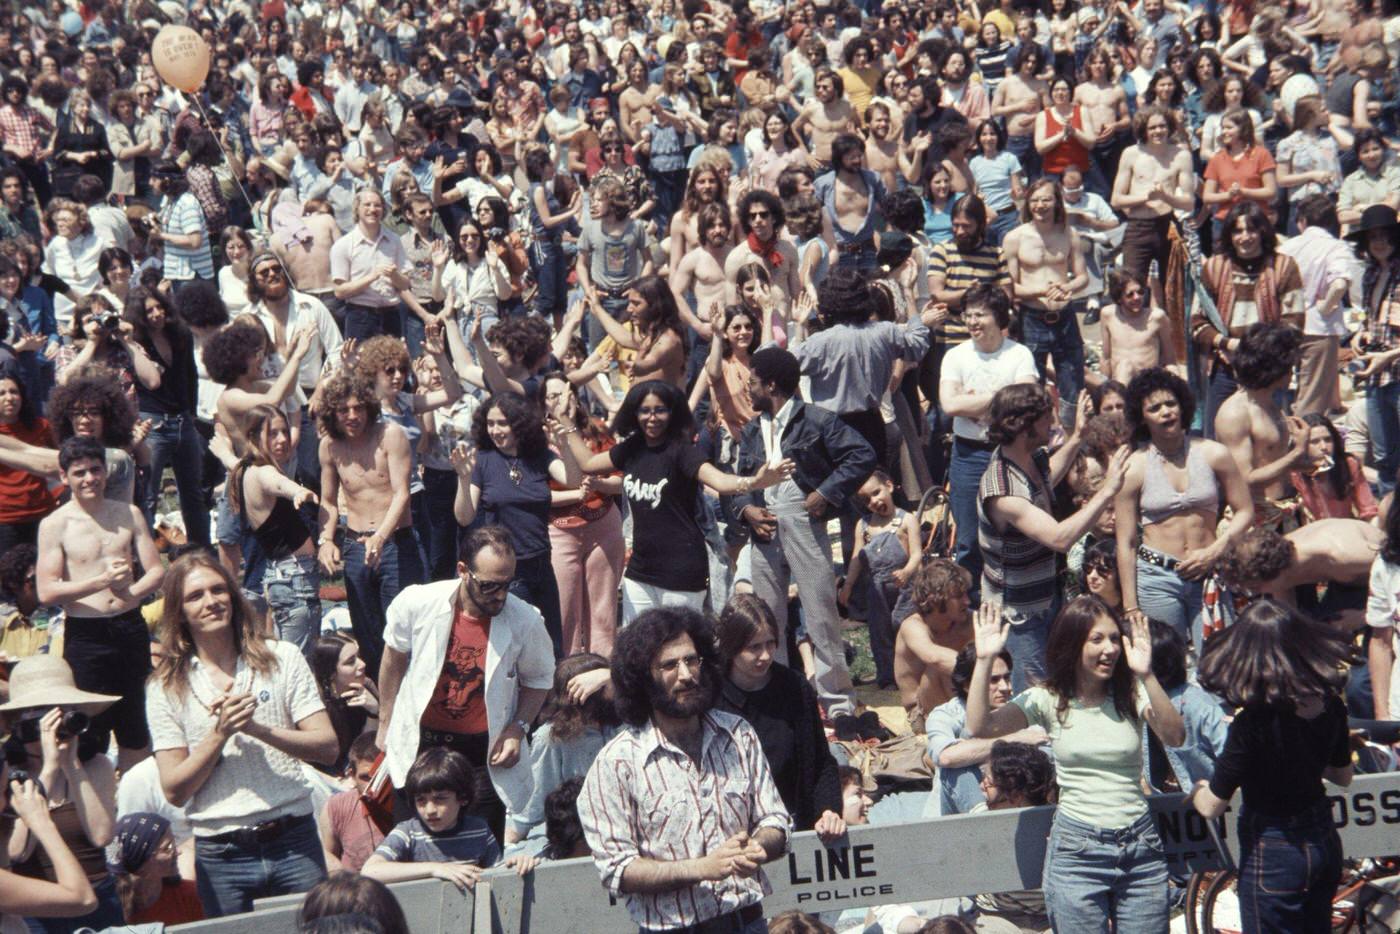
(644, 797)
(1383, 315)
(23, 129)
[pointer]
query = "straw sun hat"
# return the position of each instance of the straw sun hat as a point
(47, 681)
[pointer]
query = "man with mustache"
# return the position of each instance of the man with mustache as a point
(648, 806)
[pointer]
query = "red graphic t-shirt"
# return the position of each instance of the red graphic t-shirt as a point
(458, 704)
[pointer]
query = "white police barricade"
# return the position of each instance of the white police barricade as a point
(999, 851)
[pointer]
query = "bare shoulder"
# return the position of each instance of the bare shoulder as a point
(1217, 454)
(1157, 317)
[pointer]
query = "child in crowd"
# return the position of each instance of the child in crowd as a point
(350, 832)
(889, 555)
(443, 841)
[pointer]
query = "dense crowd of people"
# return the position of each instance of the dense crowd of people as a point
(469, 434)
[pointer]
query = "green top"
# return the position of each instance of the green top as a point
(1098, 756)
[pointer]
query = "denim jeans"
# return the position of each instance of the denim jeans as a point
(369, 591)
(1289, 870)
(308, 465)
(1383, 421)
(1165, 597)
(1001, 224)
(858, 257)
(534, 583)
(292, 587)
(1093, 875)
(108, 913)
(551, 272)
(964, 478)
(1062, 343)
(363, 322)
(883, 595)
(231, 874)
(1026, 643)
(174, 442)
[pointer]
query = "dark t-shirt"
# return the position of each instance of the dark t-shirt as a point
(523, 508)
(458, 704)
(661, 484)
(1276, 758)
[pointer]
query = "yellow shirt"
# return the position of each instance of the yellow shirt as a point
(21, 637)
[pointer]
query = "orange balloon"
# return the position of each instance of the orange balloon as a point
(181, 57)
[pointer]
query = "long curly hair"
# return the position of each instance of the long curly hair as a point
(636, 649)
(1064, 652)
(249, 633)
(28, 413)
(526, 423)
(96, 387)
(377, 353)
(338, 390)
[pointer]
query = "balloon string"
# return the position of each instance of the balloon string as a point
(252, 208)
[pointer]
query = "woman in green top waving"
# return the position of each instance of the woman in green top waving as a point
(1104, 859)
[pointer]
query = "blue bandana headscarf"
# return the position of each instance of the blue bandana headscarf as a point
(136, 839)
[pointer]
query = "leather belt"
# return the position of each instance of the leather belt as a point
(265, 832)
(1167, 562)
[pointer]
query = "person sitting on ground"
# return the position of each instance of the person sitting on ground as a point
(1335, 552)
(348, 894)
(1015, 775)
(927, 643)
(148, 881)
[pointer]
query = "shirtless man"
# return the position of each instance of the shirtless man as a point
(307, 253)
(1266, 444)
(705, 186)
(235, 357)
(850, 194)
(887, 158)
(761, 221)
(1019, 97)
(1045, 259)
(1105, 107)
(1155, 178)
(826, 117)
(368, 462)
(927, 644)
(700, 272)
(89, 552)
(1136, 334)
(1337, 552)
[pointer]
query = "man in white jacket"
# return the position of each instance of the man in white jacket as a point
(467, 666)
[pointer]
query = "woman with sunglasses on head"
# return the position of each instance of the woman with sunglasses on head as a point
(51, 743)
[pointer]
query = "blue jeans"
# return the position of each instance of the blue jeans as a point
(308, 465)
(174, 442)
(1093, 875)
(108, 913)
(231, 874)
(964, 478)
(551, 272)
(1026, 643)
(1062, 343)
(292, 587)
(369, 591)
(1165, 597)
(1001, 224)
(1023, 148)
(363, 322)
(858, 257)
(1383, 420)
(883, 595)
(1289, 870)
(1222, 386)
(729, 925)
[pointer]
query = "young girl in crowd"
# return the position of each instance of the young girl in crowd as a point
(888, 557)
(1286, 672)
(1330, 481)
(1104, 862)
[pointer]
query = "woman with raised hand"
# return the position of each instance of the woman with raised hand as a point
(1104, 862)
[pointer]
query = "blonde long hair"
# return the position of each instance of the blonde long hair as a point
(173, 633)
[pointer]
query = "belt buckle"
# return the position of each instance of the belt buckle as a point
(1050, 317)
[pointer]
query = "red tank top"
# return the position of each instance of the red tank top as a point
(1071, 151)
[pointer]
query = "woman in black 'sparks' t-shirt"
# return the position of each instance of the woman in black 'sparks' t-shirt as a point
(662, 472)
